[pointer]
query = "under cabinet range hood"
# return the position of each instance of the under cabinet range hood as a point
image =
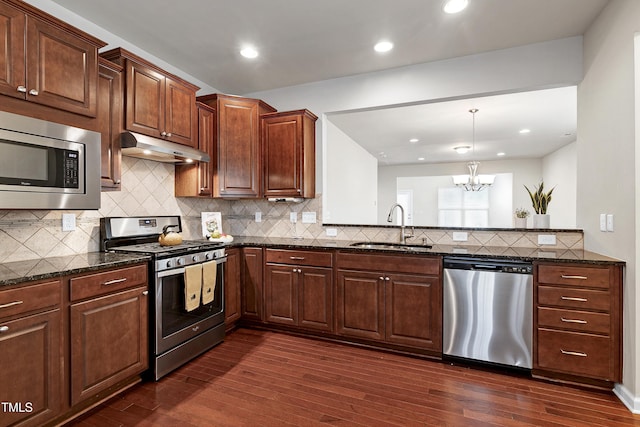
(148, 148)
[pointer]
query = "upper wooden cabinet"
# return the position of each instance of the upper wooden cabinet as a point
(110, 123)
(289, 150)
(157, 103)
(46, 61)
(237, 148)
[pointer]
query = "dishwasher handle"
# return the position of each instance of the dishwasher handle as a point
(494, 265)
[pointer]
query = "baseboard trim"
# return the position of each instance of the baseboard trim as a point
(627, 398)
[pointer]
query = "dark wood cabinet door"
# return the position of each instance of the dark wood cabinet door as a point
(413, 311)
(181, 117)
(238, 146)
(12, 51)
(232, 277)
(110, 116)
(109, 341)
(61, 69)
(252, 297)
(145, 100)
(315, 298)
(281, 294)
(206, 135)
(30, 356)
(360, 304)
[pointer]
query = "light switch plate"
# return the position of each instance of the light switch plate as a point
(68, 222)
(460, 236)
(258, 216)
(293, 217)
(546, 239)
(603, 222)
(609, 222)
(309, 217)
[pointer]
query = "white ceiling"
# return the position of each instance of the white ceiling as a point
(303, 41)
(309, 40)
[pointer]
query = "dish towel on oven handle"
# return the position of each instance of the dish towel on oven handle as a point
(192, 286)
(209, 274)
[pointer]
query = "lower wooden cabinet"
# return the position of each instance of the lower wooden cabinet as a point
(232, 288)
(251, 273)
(578, 323)
(30, 354)
(299, 289)
(377, 301)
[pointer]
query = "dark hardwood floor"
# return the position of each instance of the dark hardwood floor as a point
(258, 378)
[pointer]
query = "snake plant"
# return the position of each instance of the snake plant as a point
(539, 198)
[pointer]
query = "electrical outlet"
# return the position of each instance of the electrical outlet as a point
(68, 222)
(258, 216)
(609, 222)
(460, 236)
(546, 239)
(309, 218)
(293, 217)
(332, 232)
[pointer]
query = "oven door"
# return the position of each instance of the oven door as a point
(173, 324)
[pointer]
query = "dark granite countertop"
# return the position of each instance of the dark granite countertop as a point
(525, 254)
(12, 273)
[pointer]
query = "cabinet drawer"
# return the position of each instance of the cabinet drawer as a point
(584, 299)
(575, 353)
(29, 298)
(311, 258)
(598, 323)
(590, 277)
(109, 281)
(406, 264)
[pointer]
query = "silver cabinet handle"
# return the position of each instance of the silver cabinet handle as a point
(381, 277)
(116, 181)
(145, 293)
(4, 328)
(573, 353)
(11, 304)
(114, 281)
(297, 258)
(584, 322)
(22, 89)
(33, 92)
(169, 135)
(564, 276)
(163, 133)
(573, 299)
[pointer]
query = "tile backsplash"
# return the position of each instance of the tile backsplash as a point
(147, 189)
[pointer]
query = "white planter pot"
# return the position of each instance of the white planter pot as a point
(541, 220)
(520, 222)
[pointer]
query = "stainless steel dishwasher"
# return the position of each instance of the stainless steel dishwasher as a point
(488, 310)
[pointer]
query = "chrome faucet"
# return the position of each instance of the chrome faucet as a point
(403, 233)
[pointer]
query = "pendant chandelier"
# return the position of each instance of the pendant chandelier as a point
(473, 181)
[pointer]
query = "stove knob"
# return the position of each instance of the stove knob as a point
(180, 261)
(169, 264)
(208, 255)
(195, 258)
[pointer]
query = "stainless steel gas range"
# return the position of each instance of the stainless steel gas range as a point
(179, 331)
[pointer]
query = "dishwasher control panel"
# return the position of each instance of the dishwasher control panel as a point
(521, 269)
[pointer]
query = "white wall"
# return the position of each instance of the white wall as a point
(559, 171)
(355, 172)
(607, 151)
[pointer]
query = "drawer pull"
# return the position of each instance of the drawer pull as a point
(573, 299)
(573, 353)
(11, 304)
(583, 322)
(114, 281)
(4, 328)
(296, 258)
(564, 276)
(145, 293)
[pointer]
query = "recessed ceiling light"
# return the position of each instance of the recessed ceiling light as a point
(414, 140)
(455, 6)
(501, 154)
(525, 131)
(383, 46)
(462, 149)
(249, 52)
(421, 158)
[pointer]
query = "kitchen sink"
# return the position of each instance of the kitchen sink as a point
(391, 246)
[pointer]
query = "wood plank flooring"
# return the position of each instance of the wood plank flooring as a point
(258, 378)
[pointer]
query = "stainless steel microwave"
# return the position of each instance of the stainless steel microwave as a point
(46, 165)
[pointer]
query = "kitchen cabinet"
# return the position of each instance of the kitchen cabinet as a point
(110, 116)
(288, 146)
(31, 342)
(237, 147)
(232, 288)
(252, 296)
(108, 329)
(392, 299)
(46, 61)
(578, 326)
(196, 179)
(157, 103)
(298, 288)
